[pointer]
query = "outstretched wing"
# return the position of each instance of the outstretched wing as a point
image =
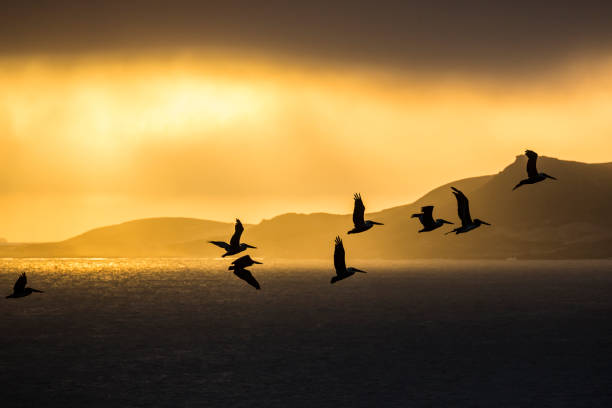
(235, 241)
(248, 277)
(532, 171)
(427, 215)
(221, 244)
(339, 262)
(420, 217)
(21, 283)
(463, 207)
(358, 210)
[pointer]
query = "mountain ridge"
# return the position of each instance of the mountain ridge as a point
(567, 218)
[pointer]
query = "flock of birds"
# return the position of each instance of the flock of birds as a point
(360, 225)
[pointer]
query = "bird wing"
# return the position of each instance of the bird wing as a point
(20, 284)
(339, 262)
(248, 277)
(221, 244)
(463, 207)
(427, 215)
(358, 211)
(420, 217)
(532, 170)
(235, 241)
(242, 262)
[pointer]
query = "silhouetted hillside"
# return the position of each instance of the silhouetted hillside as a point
(139, 238)
(568, 218)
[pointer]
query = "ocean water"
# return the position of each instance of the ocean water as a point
(188, 333)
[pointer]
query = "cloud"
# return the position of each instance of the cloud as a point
(449, 36)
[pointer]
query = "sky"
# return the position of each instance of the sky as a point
(123, 110)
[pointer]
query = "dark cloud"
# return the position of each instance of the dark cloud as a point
(440, 35)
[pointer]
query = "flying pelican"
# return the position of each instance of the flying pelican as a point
(20, 290)
(243, 262)
(358, 211)
(463, 208)
(426, 218)
(234, 246)
(342, 271)
(238, 266)
(532, 172)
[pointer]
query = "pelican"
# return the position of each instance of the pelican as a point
(234, 246)
(463, 208)
(426, 218)
(358, 211)
(243, 262)
(532, 172)
(20, 290)
(342, 271)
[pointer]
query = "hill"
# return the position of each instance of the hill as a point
(568, 218)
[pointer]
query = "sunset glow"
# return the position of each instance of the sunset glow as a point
(176, 134)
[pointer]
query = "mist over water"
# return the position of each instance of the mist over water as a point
(187, 333)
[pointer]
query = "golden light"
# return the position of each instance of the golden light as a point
(151, 134)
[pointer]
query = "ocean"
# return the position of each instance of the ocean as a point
(188, 333)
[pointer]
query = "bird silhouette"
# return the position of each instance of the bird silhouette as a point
(342, 272)
(234, 245)
(358, 212)
(426, 218)
(20, 290)
(463, 208)
(248, 277)
(532, 172)
(243, 262)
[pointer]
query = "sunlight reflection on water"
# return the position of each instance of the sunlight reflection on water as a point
(186, 332)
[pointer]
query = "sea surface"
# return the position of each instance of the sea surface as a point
(188, 333)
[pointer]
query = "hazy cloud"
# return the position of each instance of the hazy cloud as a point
(465, 36)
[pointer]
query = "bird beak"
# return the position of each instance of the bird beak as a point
(250, 246)
(377, 223)
(485, 223)
(447, 222)
(257, 262)
(551, 177)
(359, 270)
